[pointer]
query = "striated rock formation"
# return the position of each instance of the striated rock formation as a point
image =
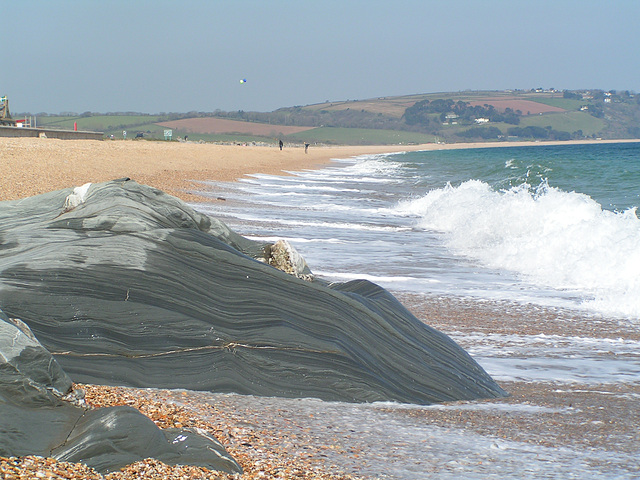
(133, 287)
(41, 415)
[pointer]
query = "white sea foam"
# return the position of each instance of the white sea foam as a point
(553, 238)
(336, 178)
(372, 278)
(336, 241)
(310, 186)
(337, 225)
(367, 165)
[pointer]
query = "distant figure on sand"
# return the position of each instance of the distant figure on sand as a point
(306, 147)
(281, 144)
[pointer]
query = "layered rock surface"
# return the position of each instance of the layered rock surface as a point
(40, 414)
(133, 287)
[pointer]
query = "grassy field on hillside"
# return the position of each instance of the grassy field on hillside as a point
(359, 136)
(566, 103)
(567, 122)
(391, 106)
(102, 123)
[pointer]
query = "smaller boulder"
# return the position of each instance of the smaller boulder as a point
(283, 256)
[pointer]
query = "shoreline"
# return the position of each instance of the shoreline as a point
(276, 437)
(32, 166)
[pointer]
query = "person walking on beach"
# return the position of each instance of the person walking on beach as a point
(306, 147)
(281, 144)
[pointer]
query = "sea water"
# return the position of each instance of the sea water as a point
(550, 225)
(546, 227)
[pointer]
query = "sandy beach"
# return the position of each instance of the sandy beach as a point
(280, 440)
(31, 166)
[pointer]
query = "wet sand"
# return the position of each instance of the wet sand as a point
(578, 428)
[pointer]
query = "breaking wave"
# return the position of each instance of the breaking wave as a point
(553, 238)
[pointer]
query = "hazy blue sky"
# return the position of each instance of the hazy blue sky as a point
(183, 55)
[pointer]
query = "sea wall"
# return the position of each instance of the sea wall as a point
(6, 131)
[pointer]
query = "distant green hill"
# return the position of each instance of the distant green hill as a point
(451, 117)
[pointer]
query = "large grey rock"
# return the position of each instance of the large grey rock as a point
(35, 418)
(133, 287)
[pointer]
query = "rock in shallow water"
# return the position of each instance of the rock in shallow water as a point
(133, 287)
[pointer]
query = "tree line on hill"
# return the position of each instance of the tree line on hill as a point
(421, 112)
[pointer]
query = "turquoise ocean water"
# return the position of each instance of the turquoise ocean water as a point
(550, 225)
